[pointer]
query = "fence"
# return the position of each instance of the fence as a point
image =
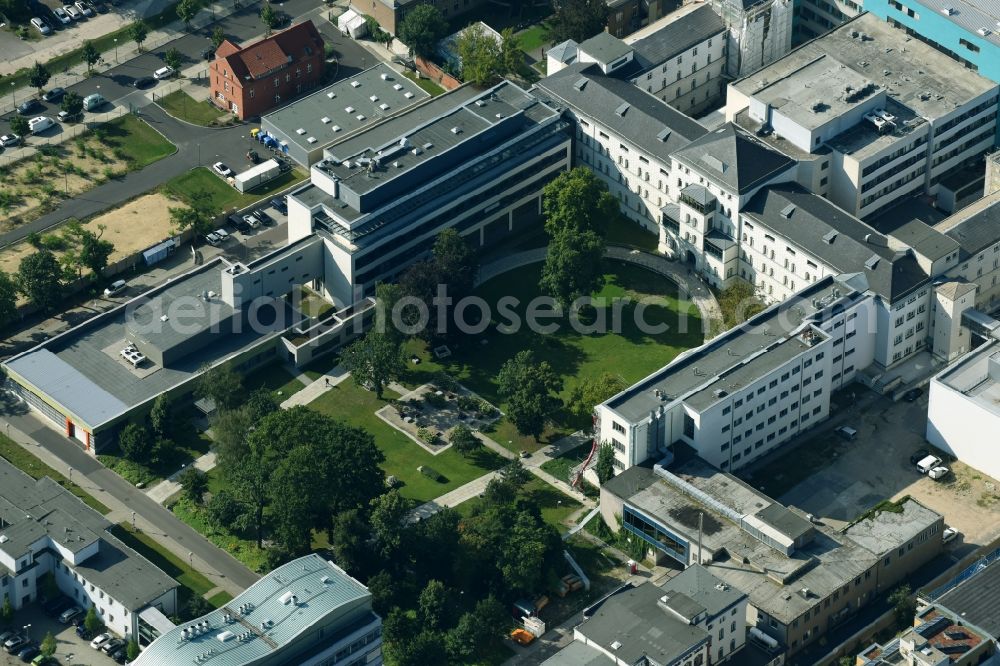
(436, 74)
(964, 575)
(68, 133)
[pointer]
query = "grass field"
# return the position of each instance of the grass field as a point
(142, 144)
(428, 86)
(220, 598)
(534, 37)
(243, 549)
(357, 406)
(225, 196)
(184, 107)
(12, 452)
(275, 378)
(626, 232)
(170, 564)
(625, 350)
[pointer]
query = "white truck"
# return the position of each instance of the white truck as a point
(257, 175)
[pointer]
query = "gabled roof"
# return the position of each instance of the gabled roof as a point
(698, 193)
(629, 111)
(605, 48)
(564, 52)
(273, 53)
(226, 48)
(733, 157)
(975, 227)
(835, 237)
(678, 36)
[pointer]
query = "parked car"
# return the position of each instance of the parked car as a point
(42, 660)
(939, 472)
(144, 82)
(70, 614)
(847, 432)
(41, 26)
(28, 106)
(53, 607)
(40, 124)
(85, 9)
(67, 117)
(112, 645)
(28, 652)
(54, 95)
(6, 636)
(164, 72)
(252, 221)
(93, 101)
(222, 234)
(62, 16)
(9, 140)
(927, 463)
(100, 640)
(119, 655)
(913, 394)
(221, 169)
(279, 205)
(14, 644)
(73, 12)
(262, 216)
(81, 631)
(949, 534)
(237, 223)
(115, 288)
(212, 239)
(918, 455)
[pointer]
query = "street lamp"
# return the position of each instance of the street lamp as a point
(191, 558)
(116, 50)
(27, 629)
(12, 98)
(71, 475)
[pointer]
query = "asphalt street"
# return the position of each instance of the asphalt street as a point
(195, 145)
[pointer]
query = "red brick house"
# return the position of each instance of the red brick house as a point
(251, 80)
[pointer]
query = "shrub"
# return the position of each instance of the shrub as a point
(435, 400)
(445, 382)
(468, 403)
(431, 473)
(427, 435)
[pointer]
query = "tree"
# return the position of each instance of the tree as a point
(132, 650)
(738, 303)
(92, 622)
(137, 32)
(904, 605)
(259, 404)
(48, 645)
(388, 515)
(268, 17)
(72, 103)
(593, 391)
(223, 386)
(605, 465)
(224, 511)
(173, 57)
(457, 262)
(528, 385)
(422, 28)
(578, 20)
(349, 536)
(135, 443)
(511, 55)
(8, 299)
(387, 295)
(374, 361)
(90, 54)
(198, 215)
(573, 266)
(39, 278)
(383, 588)
(487, 623)
(38, 76)
(17, 11)
(296, 499)
(434, 605)
(195, 484)
(218, 36)
(578, 200)
(464, 441)
(6, 611)
(19, 125)
(94, 253)
(482, 61)
(186, 11)
(160, 416)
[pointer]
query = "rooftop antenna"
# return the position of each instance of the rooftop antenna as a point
(701, 519)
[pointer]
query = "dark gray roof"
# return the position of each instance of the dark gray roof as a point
(700, 586)
(734, 157)
(678, 36)
(977, 230)
(835, 237)
(975, 600)
(605, 47)
(925, 240)
(578, 654)
(564, 52)
(633, 619)
(698, 193)
(648, 122)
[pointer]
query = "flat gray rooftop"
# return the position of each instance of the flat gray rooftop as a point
(733, 360)
(920, 77)
(975, 227)
(926, 240)
(971, 377)
(886, 530)
(970, 15)
(322, 117)
(864, 140)
(975, 599)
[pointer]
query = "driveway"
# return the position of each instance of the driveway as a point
(71, 649)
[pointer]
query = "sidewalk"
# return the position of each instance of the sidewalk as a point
(168, 487)
(317, 388)
(461, 494)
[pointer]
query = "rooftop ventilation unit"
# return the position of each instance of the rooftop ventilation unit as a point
(349, 109)
(664, 134)
(374, 98)
(456, 130)
(325, 120)
(829, 237)
(872, 262)
(355, 84)
(480, 103)
(383, 106)
(226, 636)
(428, 145)
(499, 116)
(983, 32)
(787, 211)
(616, 645)
(331, 94)
(300, 131)
(408, 95)
(384, 76)
(396, 86)
(360, 116)
(622, 110)
(580, 84)
(311, 139)
(947, 10)
(335, 128)
(286, 598)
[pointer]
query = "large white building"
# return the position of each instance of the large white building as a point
(871, 114)
(46, 531)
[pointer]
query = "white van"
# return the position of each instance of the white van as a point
(847, 432)
(928, 463)
(40, 124)
(91, 102)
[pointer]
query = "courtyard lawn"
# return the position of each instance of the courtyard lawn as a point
(534, 37)
(626, 232)
(223, 195)
(357, 406)
(276, 379)
(625, 350)
(428, 86)
(181, 105)
(142, 145)
(12, 452)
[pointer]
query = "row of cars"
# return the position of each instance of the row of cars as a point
(49, 19)
(247, 222)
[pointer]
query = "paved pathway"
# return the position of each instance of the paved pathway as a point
(162, 491)
(28, 430)
(461, 494)
(317, 388)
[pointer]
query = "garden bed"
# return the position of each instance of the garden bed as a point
(428, 415)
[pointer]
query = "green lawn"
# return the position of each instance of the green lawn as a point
(625, 350)
(184, 107)
(170, 564)
(225, 196)
(13, 453)
(275, 378)
(534, 37)
(562, 466)
(141, 144)
(357, 406)
(626, 232)
(219, 599)
(243, 549)
(428, 86)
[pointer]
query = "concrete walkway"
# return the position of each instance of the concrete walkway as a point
(317, 388)
(452, 499)
(162, 491)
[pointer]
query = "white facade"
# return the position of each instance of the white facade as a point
(692, 80)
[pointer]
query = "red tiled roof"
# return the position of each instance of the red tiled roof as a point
(226, 48)
(274, 52)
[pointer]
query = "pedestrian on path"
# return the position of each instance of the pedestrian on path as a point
(327, 379)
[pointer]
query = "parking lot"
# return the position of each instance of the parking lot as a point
(71, 651)
(841, 479)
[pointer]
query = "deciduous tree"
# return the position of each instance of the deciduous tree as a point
(605, 465)
(160, 415)
(464, 441)
(457, 263)
(223, 386)
(198, 215)
(218, 36)
(135, 443)
(434, 605)
(578, 20)
(422, 28)
(19, 125)
(94, 252)
(48, 645)
(511, 55)
(578, 200)
(90, 55)
(482, 60)
(528, 386)
(592, 391)
(186, 11)
(374, 361)
(132, 650)
(573, 266)
(173, 57)
(137, 32)
(38, 76)
(195, 484)
(388, 513)
(39, 278)
(8, 299)
(224, 511)
(268, 17)
(92, 622)
(72, 103)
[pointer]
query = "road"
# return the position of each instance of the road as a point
(195, 145)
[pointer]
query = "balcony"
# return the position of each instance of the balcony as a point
(698, 198)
